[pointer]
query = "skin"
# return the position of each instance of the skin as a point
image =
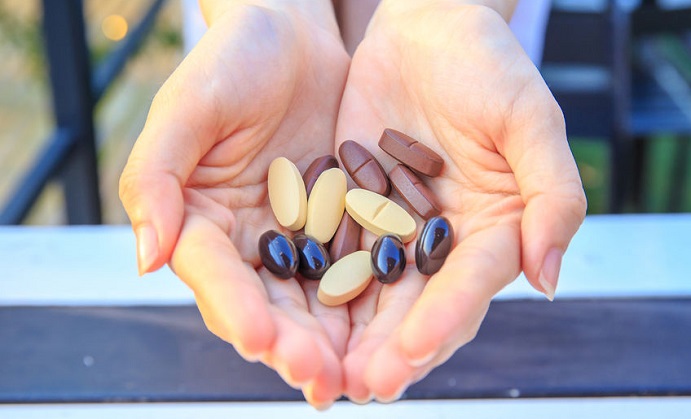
(445, 72)
(510, 187)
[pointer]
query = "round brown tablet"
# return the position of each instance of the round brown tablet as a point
(363, 168)
(319, 165)
(411, 152)
(415, 193)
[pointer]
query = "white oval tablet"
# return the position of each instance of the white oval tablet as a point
(346, 279)
(287, 194)
(326, 204)
(379, 214)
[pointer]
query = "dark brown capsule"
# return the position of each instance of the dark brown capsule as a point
(363, 168)
(278, 254)
(415, 193)
(314, 259)
(411, 152)
(388, 258)
(347, 238)
(319, 165)
(433, 245)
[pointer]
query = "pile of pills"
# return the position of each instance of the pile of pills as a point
(319, 202)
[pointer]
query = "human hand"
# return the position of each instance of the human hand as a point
(265, 81)
(454, 77)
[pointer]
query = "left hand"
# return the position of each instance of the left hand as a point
(455, 78)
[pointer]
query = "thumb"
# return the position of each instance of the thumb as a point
(152, 197)
(177, 133)
(549, 183)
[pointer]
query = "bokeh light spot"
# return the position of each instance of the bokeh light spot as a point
(114, 27)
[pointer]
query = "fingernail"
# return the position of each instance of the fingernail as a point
(421, 361)
(147, 248)
(363, 400)
(323, 406)
(549, 275)
(397, 395)
(308, 392)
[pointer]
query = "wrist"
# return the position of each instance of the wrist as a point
(319, 12)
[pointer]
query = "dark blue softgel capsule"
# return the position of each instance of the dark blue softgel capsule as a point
(388, 258)
(314, 258)
(278, 254)
(433, 245)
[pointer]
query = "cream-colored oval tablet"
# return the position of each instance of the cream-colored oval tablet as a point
(326, 204)
(379, 214)
(346, 279)
(287, 194)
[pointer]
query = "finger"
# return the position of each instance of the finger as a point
(389, 373)
(303, 353)
(327, 385)
(456, 298)
(393, 303)
(295, 353)
(193, 110)
(333, 320)
(230, 295)
(550, 186)
(176, 136)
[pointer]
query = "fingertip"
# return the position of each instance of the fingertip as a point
(388, 374)
(327, 386)
(155, 208)
(296, 355)
(147, 249)
(355, 389)
(354, 368)
(549, 273)
(549, 223)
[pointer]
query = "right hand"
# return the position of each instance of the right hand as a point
(263, 82)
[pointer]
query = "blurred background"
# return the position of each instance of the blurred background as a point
(620, 69)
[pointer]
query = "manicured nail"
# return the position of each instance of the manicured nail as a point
(549, 275)
(147, 248)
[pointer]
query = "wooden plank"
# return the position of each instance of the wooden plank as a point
(574, 348)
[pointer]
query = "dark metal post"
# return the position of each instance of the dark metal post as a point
(70, 79)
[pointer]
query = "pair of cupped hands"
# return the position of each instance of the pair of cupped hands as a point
(273, 79)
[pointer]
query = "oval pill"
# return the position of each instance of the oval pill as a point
(415, 193)
(433, 245)
(346, 279)
(411, 152)
(326, 205)
(388, 258)
(347, 238)
(287, 194)
(379, 214)
(278, 254)
(316, 168)
(314, 259)
(364, 168)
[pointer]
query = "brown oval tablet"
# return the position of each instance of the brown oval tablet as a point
(319, 165)
(347, 238)
(411, 152)
(415, 193)
(363, 168)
